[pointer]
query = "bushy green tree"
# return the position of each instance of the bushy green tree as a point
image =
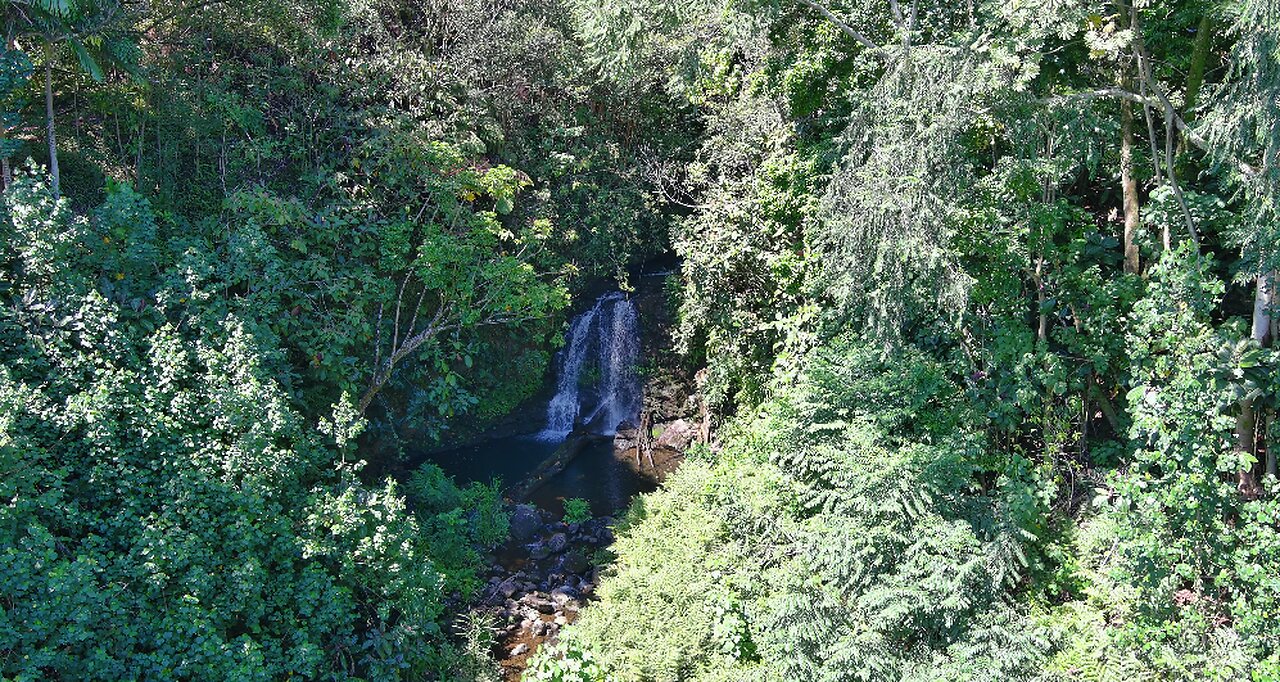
(842, 537)
(171, 513)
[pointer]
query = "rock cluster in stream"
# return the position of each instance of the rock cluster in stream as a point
(547, 575)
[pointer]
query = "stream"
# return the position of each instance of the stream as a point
(586, 446)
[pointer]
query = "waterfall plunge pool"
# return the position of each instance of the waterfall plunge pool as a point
(595, 474)
(509, 458)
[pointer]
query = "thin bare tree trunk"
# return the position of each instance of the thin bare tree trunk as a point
(54, 176)
(1129, 188)
(1042, 319)
(1271, 453)
(1128, 183)
(6, 168)
(1247, 420)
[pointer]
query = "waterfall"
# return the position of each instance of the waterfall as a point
(605, 342)
(619, 388)
(562, 411)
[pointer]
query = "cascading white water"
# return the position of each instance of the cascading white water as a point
(606, 338)
(619, 388)
(562, 411)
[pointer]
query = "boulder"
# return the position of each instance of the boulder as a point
(508, 588)
(575, 562)
(558, 543)
(520, 649)
(626, 438)
(525, 522)
(677, 435)
(539, 551)
(624, 446)
(540, 604)
(564, 596)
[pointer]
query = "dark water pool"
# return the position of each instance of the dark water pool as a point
(594, 475)
(509, 459)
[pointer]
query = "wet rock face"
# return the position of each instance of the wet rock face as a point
(672, 418)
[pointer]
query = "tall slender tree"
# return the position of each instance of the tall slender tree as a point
(93, 30)
(1244, 123)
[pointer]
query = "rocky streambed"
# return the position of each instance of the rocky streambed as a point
(549, 570)
(541, 579)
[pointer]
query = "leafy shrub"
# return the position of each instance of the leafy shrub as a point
(174, 514)
(563, 662)
(490, 520)
(576, 510)
(458, 523)
(432, 491)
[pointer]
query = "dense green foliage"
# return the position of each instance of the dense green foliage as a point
(972, 283)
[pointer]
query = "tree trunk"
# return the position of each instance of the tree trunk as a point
(1129, 189)
(6, 168)
(1196, 71)
(1199, 62)
(1271, 453)
(1042, 316)
(54, 178)
(1247, 420)
(1129, 183)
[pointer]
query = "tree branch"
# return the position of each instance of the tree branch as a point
(1178, 122)
(1148, 81)
(844, 26)
(897, 13)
